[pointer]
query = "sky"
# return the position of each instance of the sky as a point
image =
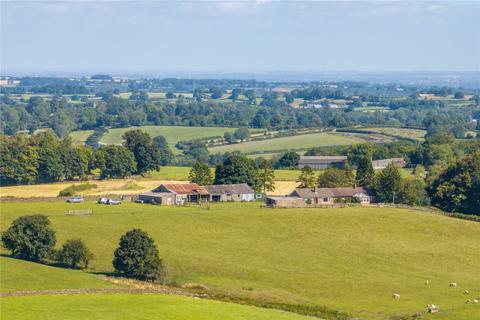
(239, 36)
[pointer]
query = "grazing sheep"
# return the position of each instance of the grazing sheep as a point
(427, 282)
(466, 292)
(453, 285)
(431, 308)
(475, 301)
(395, 296)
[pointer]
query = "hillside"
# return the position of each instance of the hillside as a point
(350, 259)
(133, 306)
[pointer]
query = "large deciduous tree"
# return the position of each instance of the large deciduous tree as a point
(200, 174)
(137, 257)
(166, 154)
(237, 169)
(388, 184)
(30, 238)
(144, 149)
(74, 253)
(288, 160)
(115, 162)
(457, 189)
(307, 177)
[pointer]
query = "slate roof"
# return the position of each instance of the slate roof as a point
(239, 188)
(321, 159)
(348, 192)
(328, 192)
(312, 193)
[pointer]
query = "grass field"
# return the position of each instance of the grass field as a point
(18, 275)
(297, 142)
(132, 306)
(80, 136)
(173, 134)
(350, 259)
(416, 134)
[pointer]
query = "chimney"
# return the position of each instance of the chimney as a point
(315, 188)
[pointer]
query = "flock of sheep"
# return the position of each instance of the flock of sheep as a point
(431, 308)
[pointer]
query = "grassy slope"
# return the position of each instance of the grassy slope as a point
(349, 259)
(80, 136)
(173, 134)
(132, 306)
(297, 142)
(18, 275)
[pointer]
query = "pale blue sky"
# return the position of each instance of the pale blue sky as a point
(239, 36)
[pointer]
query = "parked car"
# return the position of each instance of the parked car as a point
(114, 201)
(103, 201)
(139, 201)
(76, 199)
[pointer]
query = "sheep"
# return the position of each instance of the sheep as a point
(431, 308)
(466, 292)
(475, 301)
(395, 296)
(453, 285)
(427, 282)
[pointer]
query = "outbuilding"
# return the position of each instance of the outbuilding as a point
(230, 192)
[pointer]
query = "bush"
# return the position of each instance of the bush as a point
(74, 254)
(137, 257)
(75, 188)
(30, 238)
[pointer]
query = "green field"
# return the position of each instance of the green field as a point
(297, 142)
(350, 259)
(173, 134)
(18, 275)
(80, 136)
(416, 134)
(133, 306)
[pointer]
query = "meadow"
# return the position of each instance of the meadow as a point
(133, 306)
(347, 259)
(416, 134)
(296, 142)
(172, 134)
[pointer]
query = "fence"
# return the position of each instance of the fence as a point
(85, 212)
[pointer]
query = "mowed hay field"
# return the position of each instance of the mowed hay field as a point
(348, 259)
(285, 183)
(133, 306)
(297, 142)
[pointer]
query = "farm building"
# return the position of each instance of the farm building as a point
(321, 162)
(306, 197)
(316, 196)
(382, 164)
(189, 192)
(164, 198)
(285, 202)
(230, 192)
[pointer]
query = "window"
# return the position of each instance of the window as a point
(325, 199)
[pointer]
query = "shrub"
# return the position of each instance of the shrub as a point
(75, 188)
(137, 257)
(30, 238)
(74, 254)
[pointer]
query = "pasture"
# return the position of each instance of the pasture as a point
(296, 142)
(348, 259)
(133, 306)
(416, 134)
(172, 134)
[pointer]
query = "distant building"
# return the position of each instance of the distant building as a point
(164, 198)
(182, 192)
(381, 164)
(230, 192)
(321, 162)
(285, 202)
(327, 196)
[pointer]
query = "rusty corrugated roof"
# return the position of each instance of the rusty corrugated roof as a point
(185, 188)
